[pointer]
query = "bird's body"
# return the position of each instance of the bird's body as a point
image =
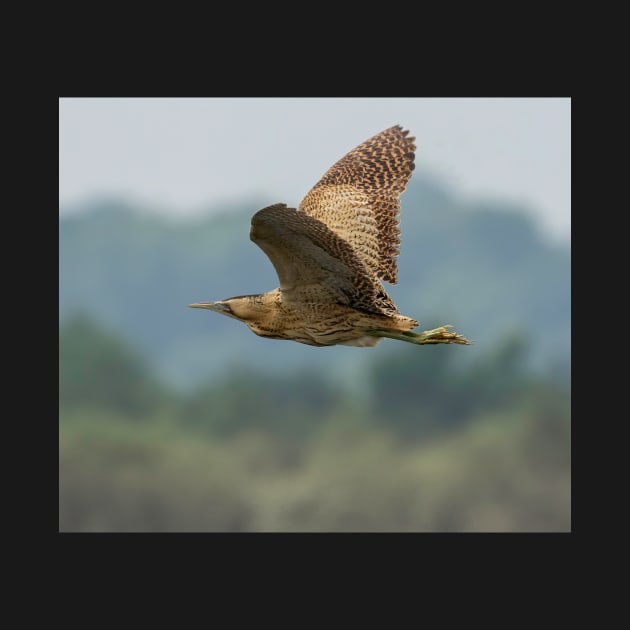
(331, 253)
(311, 323)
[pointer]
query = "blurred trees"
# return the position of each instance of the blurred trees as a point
(428, 443)
(96, 369)
(419, 393)
(292, 406)
(485, 268)
(398, 438)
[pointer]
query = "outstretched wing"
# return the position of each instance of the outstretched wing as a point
(315, 265)
(359, 199)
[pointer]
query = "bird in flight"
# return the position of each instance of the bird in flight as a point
(331, 253)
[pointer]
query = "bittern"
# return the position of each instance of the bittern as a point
(331, 253)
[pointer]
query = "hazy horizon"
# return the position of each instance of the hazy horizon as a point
(180, 155)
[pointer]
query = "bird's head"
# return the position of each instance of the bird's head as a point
(241, 307)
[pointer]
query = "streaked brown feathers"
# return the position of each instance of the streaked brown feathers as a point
(332, 252)
(359, 198)
(345, 235)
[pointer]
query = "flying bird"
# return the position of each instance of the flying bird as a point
(331, 253)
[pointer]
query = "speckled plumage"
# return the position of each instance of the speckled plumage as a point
(331, 253)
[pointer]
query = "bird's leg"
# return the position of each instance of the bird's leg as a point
(437, 335)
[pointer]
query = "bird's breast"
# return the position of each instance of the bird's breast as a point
(320, 324)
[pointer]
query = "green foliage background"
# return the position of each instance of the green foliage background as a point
(485, 268)
(173, 422)
(432, 448)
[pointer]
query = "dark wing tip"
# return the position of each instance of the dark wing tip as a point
(266, 216)
(268, 210)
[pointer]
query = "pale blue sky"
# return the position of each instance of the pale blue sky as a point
(182, 155)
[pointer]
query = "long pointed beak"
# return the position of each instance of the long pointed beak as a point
(219, 307)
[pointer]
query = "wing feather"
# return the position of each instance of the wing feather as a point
(313, 263)
(358, 198)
